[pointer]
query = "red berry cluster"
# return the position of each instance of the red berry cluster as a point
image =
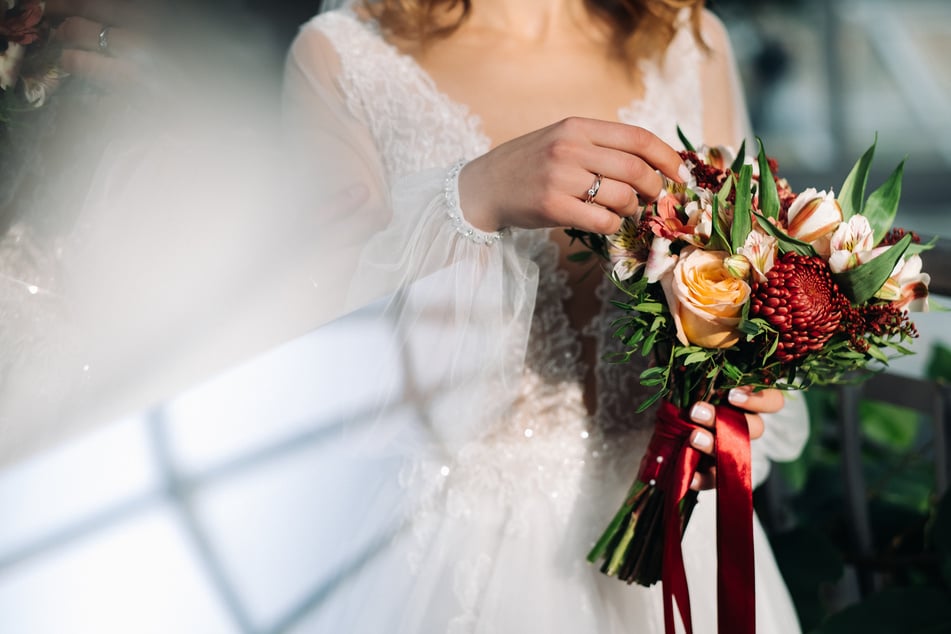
(897, 233)
(884, 319)
(708, 176)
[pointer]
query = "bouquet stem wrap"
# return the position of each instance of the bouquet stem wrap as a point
(643, 542)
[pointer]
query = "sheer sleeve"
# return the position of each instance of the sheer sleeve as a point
(458, 301)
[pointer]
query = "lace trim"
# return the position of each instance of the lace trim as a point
(454, 211)
(415, 126)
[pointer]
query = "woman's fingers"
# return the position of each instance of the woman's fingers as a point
(107, 72)
(79, 33)
(702, 413)
(624, 167)
(640, 143)
(588, 217)
(543, 179)
(615, 195)
(763, 402)
(703, 480)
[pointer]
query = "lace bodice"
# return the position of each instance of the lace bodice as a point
(547, 438)
(415, 126)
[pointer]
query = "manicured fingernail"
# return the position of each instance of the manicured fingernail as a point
(695, 482)
(701, 440)
(683, 173)
(701, 412)
(663, 193)
(738, 396)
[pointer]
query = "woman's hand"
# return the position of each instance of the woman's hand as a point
(542, 179)
(755, 403)
(104, 41)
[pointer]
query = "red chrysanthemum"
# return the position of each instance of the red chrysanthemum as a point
(802, 302)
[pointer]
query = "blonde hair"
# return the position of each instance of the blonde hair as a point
(640, 28)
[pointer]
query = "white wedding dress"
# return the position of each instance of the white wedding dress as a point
(504, 479)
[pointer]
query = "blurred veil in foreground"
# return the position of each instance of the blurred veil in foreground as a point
(152, 235)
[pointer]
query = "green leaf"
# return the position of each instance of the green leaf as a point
(882, 204)
(768, 196)
(683, 139)
(786, 243)
(684, 350)
(725, 190)
(875, 353)
(653, 398)
(862, 282)
(654, 371)
(740, 158)
(915, 248)
(852, 193)
(581, 256)
(696, 357)
(654, 308)
(732, 371)
(718, 241)
(634, 339)
(648, 344)
(749, 328)
(742, 222)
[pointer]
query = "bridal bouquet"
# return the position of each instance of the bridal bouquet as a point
(29, 59)
(733, 279)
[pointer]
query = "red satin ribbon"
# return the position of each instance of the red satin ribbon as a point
(735, 581)
(736, 592)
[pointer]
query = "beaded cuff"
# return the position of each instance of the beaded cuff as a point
(451, 193)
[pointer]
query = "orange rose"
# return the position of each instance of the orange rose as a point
(705, 300)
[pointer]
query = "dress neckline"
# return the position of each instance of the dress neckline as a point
(628, 113)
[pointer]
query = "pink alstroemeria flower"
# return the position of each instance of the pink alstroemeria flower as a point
(760, 249)
(667, 223)
(700, 217)
(37, 89)
(660, 260)
(851, 243)
(813, 216)
(719, 156)
(628, 248)
(10, 61)
(907, 286)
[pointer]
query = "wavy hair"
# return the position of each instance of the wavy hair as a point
(640, 28)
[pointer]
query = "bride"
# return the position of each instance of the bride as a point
(464, 133)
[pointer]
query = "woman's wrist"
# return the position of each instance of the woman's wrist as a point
(474, 202)
(470, 219)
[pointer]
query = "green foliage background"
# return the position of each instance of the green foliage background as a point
(911, 527)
